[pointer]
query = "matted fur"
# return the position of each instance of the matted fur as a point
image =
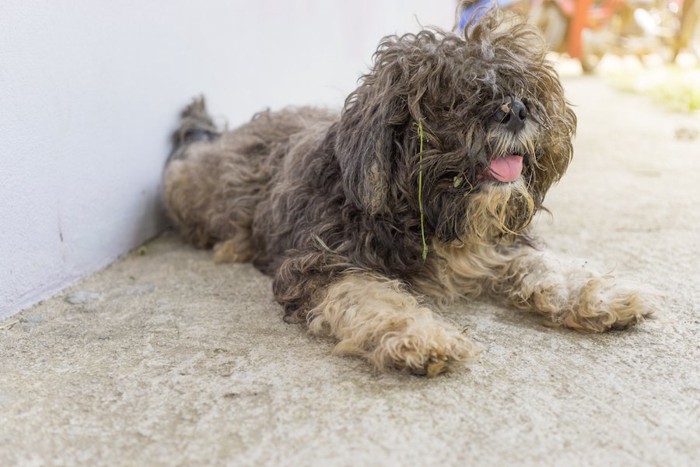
(328, 203)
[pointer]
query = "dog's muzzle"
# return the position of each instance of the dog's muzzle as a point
(512, 114)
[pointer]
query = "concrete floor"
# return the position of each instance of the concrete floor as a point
(167, 359)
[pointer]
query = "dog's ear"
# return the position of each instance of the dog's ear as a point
(363, 145)
(370, 136)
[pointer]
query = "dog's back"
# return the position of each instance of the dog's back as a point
(214, 180)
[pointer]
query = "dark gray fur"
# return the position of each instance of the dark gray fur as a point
(307, 194)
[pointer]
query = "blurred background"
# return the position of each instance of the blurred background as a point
(90, 93)
(646, 46)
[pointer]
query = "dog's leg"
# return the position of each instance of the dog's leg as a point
(570, 294)
(377, 319)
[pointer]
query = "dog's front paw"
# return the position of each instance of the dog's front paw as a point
(603, 304)
(377, 319)
(424, 350)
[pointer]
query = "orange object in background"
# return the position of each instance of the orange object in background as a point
(579, 21)
(584, 14)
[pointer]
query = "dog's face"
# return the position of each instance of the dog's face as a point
(490, 113)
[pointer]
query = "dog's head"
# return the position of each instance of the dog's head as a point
(487, 109)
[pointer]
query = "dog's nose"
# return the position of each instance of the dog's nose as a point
(512, 113)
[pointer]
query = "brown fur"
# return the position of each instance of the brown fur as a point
(328, 204)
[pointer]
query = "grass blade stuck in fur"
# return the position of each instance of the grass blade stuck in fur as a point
(420, 190)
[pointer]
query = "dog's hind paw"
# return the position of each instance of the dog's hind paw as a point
(238, 250)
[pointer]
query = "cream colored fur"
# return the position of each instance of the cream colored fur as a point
(379, 320)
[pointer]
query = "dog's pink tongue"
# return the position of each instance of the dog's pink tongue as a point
(506, 168)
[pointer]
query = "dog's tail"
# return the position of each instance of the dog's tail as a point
(195, 125)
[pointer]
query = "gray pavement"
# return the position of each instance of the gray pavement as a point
(165, 358)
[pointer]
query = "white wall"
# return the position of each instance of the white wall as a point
(90, 90)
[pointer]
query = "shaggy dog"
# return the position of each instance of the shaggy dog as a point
(417, 194)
